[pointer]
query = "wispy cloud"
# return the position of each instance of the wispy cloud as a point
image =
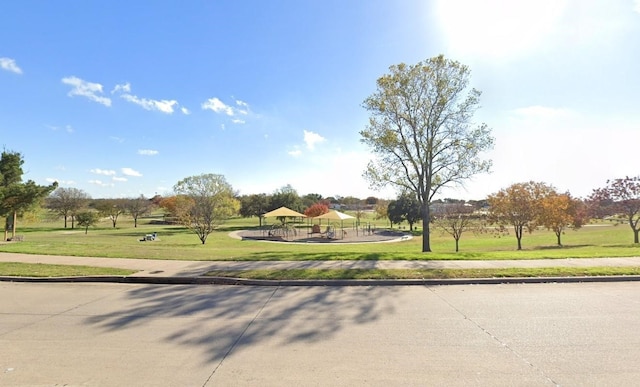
(130, 172)
(311, 139)
(66, 128)
(217, 106)
(161, 105)
(243, 107)
(122, 88)
(86, 89)
(295, 153)
(60, 181)
(147, 152)
(100, 183)
(214, 104)
(105, 172)
(185, 111)
(164, 106)
(10, 65)
(120, 179)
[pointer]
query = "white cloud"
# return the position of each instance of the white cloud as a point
(100, 183)
(214, 104)
(147, 152)
(185, 111)
(123, 88)
(105, 172)
(243, 107)
(116, 178)
(164, 106)
(238, 121)
(130, 172)
(311, 139)
(60, 182)
(295, 153)
(9, 64)
(86, 89)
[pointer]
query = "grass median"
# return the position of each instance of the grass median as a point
(354, 274)
(16, 269)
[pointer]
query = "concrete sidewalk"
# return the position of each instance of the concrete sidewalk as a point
(170, 271)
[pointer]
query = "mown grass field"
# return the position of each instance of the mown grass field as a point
(175, 242)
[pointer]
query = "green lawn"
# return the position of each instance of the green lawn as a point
(174, 242)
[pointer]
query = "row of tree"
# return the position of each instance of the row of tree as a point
(201, 203)
(525, 207)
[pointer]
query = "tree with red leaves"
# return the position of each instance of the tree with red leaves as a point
(621, 197)
(316, 209)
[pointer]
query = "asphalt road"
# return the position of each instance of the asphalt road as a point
(159, 335)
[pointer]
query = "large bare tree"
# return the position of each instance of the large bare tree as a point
(66, 202)
(422, 133)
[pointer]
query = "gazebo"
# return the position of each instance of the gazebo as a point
(335, 215)
(284, 213)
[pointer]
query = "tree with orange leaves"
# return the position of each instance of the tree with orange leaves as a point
(561, 211)
(316, 209)
(518, 206)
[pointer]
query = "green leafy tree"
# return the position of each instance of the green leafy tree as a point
(253, 205)
(287, 197)
(407, 208)
(395, 214)
(310, 199)
(87, 219)
(66, 202)
(17, 197)
(204, 202)
(422, 133)
(111, 208)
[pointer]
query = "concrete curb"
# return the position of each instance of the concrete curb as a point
(205, 280)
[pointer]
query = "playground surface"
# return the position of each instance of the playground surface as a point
(334, 235)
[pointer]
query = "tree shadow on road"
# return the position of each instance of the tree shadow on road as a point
(218, 319)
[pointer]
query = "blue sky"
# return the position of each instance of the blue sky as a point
(124, 98)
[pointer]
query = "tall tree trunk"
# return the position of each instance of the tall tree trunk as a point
(635, 235)
(457, 242)
(65, 221)
(519, 236)
(13, 229)
(558, 233)
(426, 244)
